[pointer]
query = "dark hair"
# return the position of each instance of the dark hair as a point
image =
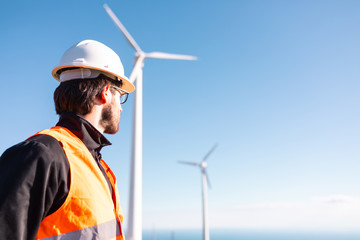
(78, 95)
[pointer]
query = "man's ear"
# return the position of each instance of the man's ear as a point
(105, 95)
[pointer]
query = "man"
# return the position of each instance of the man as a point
(55, 185)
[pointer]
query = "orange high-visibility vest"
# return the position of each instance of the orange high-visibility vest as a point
(89, 211)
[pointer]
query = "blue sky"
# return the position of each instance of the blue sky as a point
(276, 86)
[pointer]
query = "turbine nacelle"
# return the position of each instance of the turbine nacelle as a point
(203, 165)
(140, 54)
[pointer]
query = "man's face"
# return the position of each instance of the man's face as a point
(110, 116)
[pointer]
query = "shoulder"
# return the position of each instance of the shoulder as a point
(44, 141)
(37, 148)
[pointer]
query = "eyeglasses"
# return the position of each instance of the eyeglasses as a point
(123, 94)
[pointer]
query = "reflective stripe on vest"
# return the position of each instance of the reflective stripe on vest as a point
(89, 211)
(108, 230)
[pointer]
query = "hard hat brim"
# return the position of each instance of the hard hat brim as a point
(127, 85)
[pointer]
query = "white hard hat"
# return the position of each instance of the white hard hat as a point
(91, 58)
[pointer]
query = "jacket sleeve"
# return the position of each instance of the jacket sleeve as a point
(34, 182)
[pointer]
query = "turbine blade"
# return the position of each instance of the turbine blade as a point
(163, 55)
(137, 66)
(207, 178)
(117, 22)
(189, 163)
(211, 150)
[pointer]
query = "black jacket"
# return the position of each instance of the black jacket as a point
(35, 178)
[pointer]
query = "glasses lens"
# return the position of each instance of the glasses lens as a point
(123, 97)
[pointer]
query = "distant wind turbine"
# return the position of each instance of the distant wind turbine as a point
(205, 180)
(135, 196)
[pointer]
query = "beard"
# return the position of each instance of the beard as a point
(110, 119)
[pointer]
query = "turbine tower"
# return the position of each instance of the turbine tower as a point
(205, 180)
(135, 196)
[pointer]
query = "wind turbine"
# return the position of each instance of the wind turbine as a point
(135, 195)
(205, 180)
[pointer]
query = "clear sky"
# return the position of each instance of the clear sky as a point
(276, 86)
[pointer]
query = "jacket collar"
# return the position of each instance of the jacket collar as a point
(85, 131)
